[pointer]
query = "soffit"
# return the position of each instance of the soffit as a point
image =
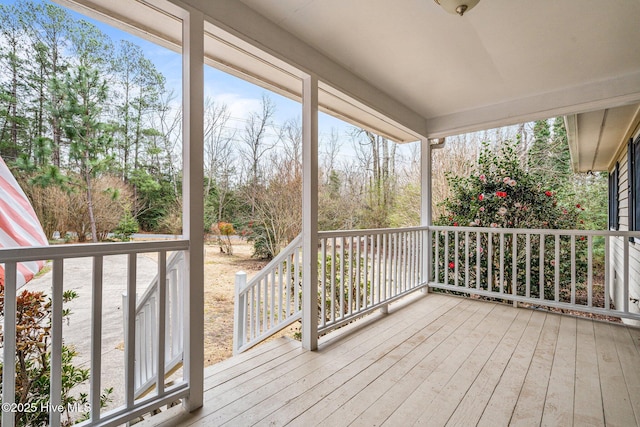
(596, 137)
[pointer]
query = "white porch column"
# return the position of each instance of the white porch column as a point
(310, 213)
(426, 205)
(192, 199)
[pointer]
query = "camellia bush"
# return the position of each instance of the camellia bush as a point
(500, 193)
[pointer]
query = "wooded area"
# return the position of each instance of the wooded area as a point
(93, 132)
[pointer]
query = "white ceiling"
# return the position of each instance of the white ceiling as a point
(448, 68)
(425, 72)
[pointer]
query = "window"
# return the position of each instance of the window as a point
(613, 198)
(633, 153)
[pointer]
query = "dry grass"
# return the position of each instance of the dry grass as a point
(219, 279)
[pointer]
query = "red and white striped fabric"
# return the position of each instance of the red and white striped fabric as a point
(19, 225)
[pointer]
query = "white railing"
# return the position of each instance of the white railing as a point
(550, 268)
(362, 270)
(146, 321)
(132, 407)
(271, 300)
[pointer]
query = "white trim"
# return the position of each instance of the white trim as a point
(581, 98)
(310, 213)
(193, 203)
(426, 206)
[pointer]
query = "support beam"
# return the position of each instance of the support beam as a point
(426, 206)
(310, 213)
(192, 199)
(425, 183)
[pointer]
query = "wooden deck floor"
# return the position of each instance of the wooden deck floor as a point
(438, 360)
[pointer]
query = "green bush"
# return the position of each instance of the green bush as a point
(33, 363)
(502, 194)
(126, 227)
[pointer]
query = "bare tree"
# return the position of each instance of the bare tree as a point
(218, 153)
(377, 155)
(168, 122)
(330, 152)
(291, 138)
(278, 208)
(256, 145)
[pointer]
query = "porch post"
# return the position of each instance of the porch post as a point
(310, 213)
(425, 207)
(192, 199)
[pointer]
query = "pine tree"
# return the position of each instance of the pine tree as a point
(84, 93)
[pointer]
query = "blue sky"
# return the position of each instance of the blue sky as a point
(241, 97)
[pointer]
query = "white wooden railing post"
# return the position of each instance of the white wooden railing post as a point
(96, 338)
(55, 382)
(192, 201)
(240, 307)
(309, 213)
(425, 209)
(9, 350)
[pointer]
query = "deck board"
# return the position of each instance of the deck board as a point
(438, 360)
(530, 404)
(628, 355)
(446, 400)
(588, 397)
(360, 407)
(362, 362)
(472, 405)
(558, 404)
(615, 396)
(420, 366)
(439, 375)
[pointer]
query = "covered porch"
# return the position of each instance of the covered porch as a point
(419, 356)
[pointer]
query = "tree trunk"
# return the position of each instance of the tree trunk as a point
(92, 218)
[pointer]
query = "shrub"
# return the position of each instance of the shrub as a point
(33, 362)
(127, 226)
(500, 193)
(223, 232)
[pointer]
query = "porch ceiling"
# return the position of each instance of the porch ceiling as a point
(428, 72)
(591, 136)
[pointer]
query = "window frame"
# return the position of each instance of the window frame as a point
(633, 185)
(614, 198)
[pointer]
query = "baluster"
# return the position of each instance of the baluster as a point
(541, 268)
(9, 342)
(573, 269)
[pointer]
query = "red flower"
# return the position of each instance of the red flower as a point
(548, 193)
(582, 238)
(578, 206)
(501, 194)
(481, 197)
(455, 224)
(452, 265)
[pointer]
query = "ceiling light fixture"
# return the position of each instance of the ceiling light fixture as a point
(457, 6)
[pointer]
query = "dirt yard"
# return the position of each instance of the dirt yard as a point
(219, 279)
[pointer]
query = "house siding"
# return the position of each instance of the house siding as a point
(617, 244)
